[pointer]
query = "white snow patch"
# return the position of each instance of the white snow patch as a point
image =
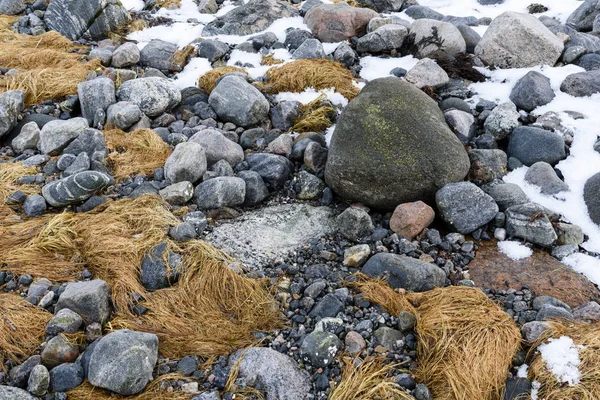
(133, 5)
(311, 94)
(562, 359)
(179, 33)
(515, 250)
(522, 371)
(535, 388)
(559, 9)
(187, 11)
(243, 57)
(330, 47)
(192, 71)
(375, 67)
(329, 134)
(584, 264)
(582, 163)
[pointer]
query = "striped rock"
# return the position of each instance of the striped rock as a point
(75, 188)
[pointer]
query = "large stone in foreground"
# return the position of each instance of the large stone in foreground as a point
(392, 146)
(274, 373)
(260, 237)
(122, 361)
(338, 22)
(13, 393)
(405, 272)
(515, 40)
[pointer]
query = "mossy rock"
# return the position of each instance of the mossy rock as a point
(391, 146)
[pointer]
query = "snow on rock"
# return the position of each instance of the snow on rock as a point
(375, 67)
(515, 250)
(584, 264)
(192, 72)
(561, 357)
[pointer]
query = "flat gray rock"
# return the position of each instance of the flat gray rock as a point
(257, 238)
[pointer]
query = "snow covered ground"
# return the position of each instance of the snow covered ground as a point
(582, 163)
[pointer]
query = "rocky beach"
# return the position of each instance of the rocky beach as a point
(299, 200)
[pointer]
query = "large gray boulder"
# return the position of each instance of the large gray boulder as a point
(382, 6)
(515, 40)
(432, 37)
(235, 100)
(94, 95)
(152, 95)
(583, 17)
(274, 373)
(405, 272)
(12, 7)
(122, 361)
(464, 206)
(249, 18)
(338, 22)
(391, 145)
(92, 19)
(11, 105)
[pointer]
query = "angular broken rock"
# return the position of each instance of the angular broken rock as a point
(75, 188)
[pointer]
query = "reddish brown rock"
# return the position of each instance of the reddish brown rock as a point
(409, 219)
(59, 351)
(541, 273)
(338, 22)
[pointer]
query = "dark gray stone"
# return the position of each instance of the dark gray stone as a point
(35, 205)
(386, 38)
(220, 192)
(256, 190)
(532, 91)
(470, 36)
(285, 114)
(354, 223)
(591, 196)
(273, 169)
(549, 312)
(157, 274)
(159, 54)
(421, 12)
(583, 17)
(405, 272)
(530, 145)
(212, 49)
(65, 321)
(505, 194)
(309, 49)
(20, 374)
(320, 348)
(465, 207)
(122, 361)
(66, 377)
(328, 307)
(91, 142)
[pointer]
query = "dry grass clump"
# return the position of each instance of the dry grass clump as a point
(22, 328)
(583, 334)
(351, 3)
(170, 4)
(137, 152)
(316, 116)
(154, 390)
(211, 311)
(466, 343)
(110, 241)
(181, 56)
(132, 25)
(317, 74)
(208, 81)
(370, 379)
(9, 180)
(270, 59)
(50, 66)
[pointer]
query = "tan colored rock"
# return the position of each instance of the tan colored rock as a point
(338, 22)
(409, 219)
(357, 256)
